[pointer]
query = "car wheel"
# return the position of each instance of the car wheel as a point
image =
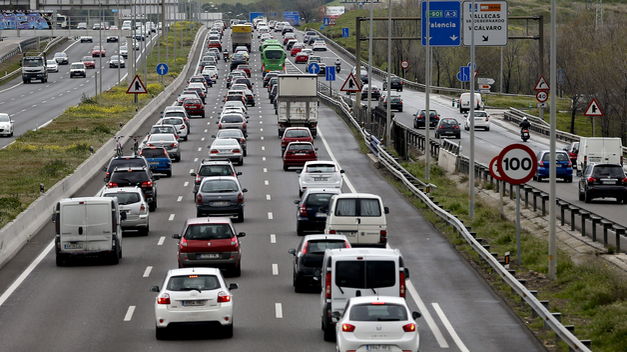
(329, 333)
(400, 110)
(152, 206)
(228, 331)
(168, 173)
(160, 333)
(245, 152)
(241, 162)
(619, 199)
(285, 167)
(582, 196)
(298, 287)
(587, 197)
(459, 136)
(199, 214)
(487, 128)
(178, 157)
(114, 257)
(569, 179)
(240, 215)
(467, 128)
(237, 270)
(61, 260)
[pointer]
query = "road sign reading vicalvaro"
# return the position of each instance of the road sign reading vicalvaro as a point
(490, 23)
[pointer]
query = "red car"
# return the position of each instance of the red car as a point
(89, 62)
(98, 51)
(295, 134)
(298, 153)
(245, 68)
(288, 37)
(214, 44)
(194, 106)
(296, 49)
(301, 58)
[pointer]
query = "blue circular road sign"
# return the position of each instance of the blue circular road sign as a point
(162, 69)
(314, 68)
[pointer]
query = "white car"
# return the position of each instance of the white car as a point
(319, 46)
(177, 122)
(226, 148)
(132, 202)
(124, 51)
(193, 295)
(6, 125)
(319, 174)
(77, 69)
(52, 66)
(377, 323)
(87, 39)
(482, 120)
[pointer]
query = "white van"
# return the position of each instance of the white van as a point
(127, 25)
(464, 102)
(88, 226)
(354, 272)
(599, 150)
(360, 217)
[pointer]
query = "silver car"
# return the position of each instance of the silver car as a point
(221, 195)
(167, 141)
(234, 133)
(132, 202)
(228, 149)
(319, 174)
(233, 121)
(164, 129)
(177, 122)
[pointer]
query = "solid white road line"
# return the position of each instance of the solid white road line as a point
(328, 148)
(275, 269)
(270, 216)
(147, 271)
(449, 327)
(9, 291)
(426, 315)
(161, 240)
(272, 238)
(278, 310)
(171, 217)
(129, 313)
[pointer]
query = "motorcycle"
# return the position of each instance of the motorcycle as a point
(338, 68)
(226, 57)
(524, 134)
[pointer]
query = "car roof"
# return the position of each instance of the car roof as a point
(324, 236)
(208, 220)
(351, 252)
(161, 134)
(196, 270)
(316, 162)
(215, 162)
(133, 189)
(321, 190)
(299, 142)
(358, 195)
(382, 299)
(173, 108)
(215, 178)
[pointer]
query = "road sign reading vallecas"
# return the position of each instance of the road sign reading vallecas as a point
(516, 164)
(490, 23)
(444, 23)
(137, 87)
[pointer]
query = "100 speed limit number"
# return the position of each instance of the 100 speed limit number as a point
(517, 163)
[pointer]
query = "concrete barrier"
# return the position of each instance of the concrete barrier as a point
(18, 232)
(447, 160)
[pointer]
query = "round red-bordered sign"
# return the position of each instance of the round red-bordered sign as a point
(404, 64)
(517, 164)
(493, 171)
(542, 96)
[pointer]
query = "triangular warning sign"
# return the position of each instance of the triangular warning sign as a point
(541, 84)
(351, 84)
(594, 109)
(136, 86)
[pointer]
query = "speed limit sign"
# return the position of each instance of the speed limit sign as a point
(404, 64)
(493, 170)
(517, 164)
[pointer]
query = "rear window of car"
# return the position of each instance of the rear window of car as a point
(124, 198)
(173, 113)
(297, 134)
(167, 121)
(215, 170)
(230, 133)
(232, 119)
(193, 282)
(300, 148)
(378, 312)
(131, 177)
(154, 153)
(161, 137)
(365, 273)
(131, 162)
(608, 171)
(558, 157)
(449, 122)
(162, 129)
(208, 232)
(357, 207)
(318, 199)
(219, 186)
(192, 101)
(320, 168)
(319, 246)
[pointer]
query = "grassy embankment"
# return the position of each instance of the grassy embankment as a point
(53, 152)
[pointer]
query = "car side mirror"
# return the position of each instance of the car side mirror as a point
(386, 210)
(241, 234)
(579, 173)
(155, 289)
(244, 190)
(156, 177)
(217, 122)
(176, 236)
(337, 315)
(123, 215)
(104, 169)
(239, 173)
(213, 136)
(316, 149)
(296, 201)
(416, 315)
(292, 251)
(342, 171)
(233, 286)
(192, 174)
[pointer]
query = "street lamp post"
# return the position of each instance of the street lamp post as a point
(100, 47)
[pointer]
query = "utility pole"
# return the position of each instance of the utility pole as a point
(471, 168)
(388, 107)
(427, 93)
(552, 170)
(101, 47)
(119, 38)
(371, 23)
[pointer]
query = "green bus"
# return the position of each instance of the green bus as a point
(272, 58)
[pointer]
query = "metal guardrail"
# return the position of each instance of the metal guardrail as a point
(387, 160)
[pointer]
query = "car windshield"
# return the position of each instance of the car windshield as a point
(357, 207)
(208, 232)
(215, 170)
(88, 58)
(558, 156)
(161, 137)
(378, 312)
(131, 177)
(320, 168)
(163, 129)
(193, 282)
(318, 199)
(78, 66)
(300, 148)
(124, 198)
(297, 133)
(608, 171)
(480, 114)
(153, 153)
(365, 274)
(273, 54)
(232, 119)
(172, 121)
(176, 121)
(219, 186)
(192, 101)
(32, 62)
(5, 118)
(60, 55)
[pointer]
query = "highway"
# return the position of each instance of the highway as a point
(33, 105)
(487, 143)
(103, 307)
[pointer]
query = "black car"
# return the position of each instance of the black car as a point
(243, 80)
(419, 119)
(375, 94)
(268, 76)
(448, 127)
(236, 60)
(396, 83)
(312, 39)
(122, 162)
(308, 259)
(396, 102)
(273, 93)
(136, 176)
(601, 181)
(312, 208)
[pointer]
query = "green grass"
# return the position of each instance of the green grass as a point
(588, 296)
(51, 153)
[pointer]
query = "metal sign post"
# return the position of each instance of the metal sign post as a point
(427, 91)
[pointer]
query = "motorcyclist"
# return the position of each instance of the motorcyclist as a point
(225, 55)
(524, 124)
(338, 65)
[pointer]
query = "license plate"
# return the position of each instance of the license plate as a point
(209, 256)
(321, 178)
(220, 204)
(321, 215)
(300, 154)
(193, 303)
(608, 182)
(378, 348)
(73, 245)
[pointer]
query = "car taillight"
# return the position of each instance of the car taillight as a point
(173, 145)
(213, 151)
(350, 327)
(223, 297)
(383, 236)
(107, 174)
(240, 198)
(183, 127)
(183, 242)
(219, 125)
(455, 127)
(198, 198)
(236, 151)
(112, 184)
(302, 210)
(163, 299)
(327, 285)
(198, 179)
(411, 327)
(625, 180)
(305, 249)
(150, 145)
(591, 179)
(347, 244)
(402, 289)
(332, 232)
(146, 184)
(142, 208)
